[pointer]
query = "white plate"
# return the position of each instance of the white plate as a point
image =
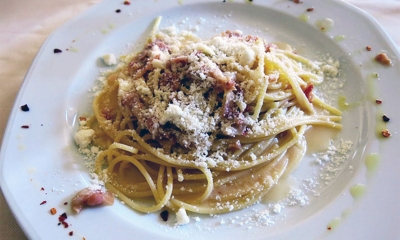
(56, 89)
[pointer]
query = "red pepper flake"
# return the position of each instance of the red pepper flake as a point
(56, 50)
(369, 48)
(25, 108)
(383, 59)
(71, 233)
(297, 1)
(329, 228)
(378, 101)
(164, 215)
(62, 217)
(307, 91)
(42, 189)
(24, 126)
(310, 9)
(386, 133)
(118, 10)
(127, 3)
(385, 118)
(43, 202)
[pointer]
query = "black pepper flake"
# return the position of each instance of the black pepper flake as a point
(43, 202)
(65, 203)
(56, 50)
(25, 108)
(24, 126)
(310, 9)
(385, 118)
(164, 215)
(118, 10)
(71, 233)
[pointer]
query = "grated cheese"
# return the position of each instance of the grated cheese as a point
(84, 137)
(109, 59)
(182, 217)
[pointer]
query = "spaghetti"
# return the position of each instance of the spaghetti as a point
(205, 125)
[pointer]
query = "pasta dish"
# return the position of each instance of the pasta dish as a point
(208, 126)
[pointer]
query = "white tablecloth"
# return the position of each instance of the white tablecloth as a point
(25, 24)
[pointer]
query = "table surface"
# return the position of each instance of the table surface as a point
(28, 28)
